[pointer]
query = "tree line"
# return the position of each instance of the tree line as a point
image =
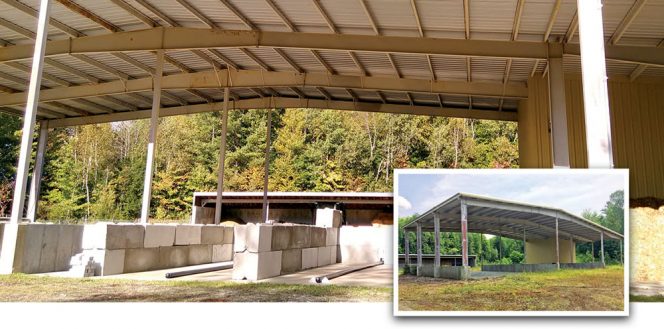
(498, 250)
(96, 171)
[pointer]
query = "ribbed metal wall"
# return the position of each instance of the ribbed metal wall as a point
(637, 127)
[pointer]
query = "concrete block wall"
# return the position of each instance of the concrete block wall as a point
(127, 248)
(267, 250)
(43, 247)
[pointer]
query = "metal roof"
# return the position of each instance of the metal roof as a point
(627, 22)
(511, 219)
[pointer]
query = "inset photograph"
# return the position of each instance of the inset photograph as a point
(511, 242)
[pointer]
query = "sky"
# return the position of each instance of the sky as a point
(566, 190)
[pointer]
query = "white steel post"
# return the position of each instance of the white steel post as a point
(406, 247)
(595, 90)
(601, 241)
(524, 245)
(436, 243)
(558, 107)
(11, 228)
(557, 245)
(35, 183)
(268, 137)
(154, 123)
(464, 234)
(222, 159)
(419, 248)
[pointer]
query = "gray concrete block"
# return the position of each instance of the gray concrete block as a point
(199, 254)
(228, 235)
(29, 241)
(107, 262)
(300, 237)
(324, 254)
(212, 234)
(318, 236)
(291, 261)
(187, 234)
(174, 256)
(328, 217)
(49, 248)
(309, 258)
(259, 237)
(141, 259)
(281, 236)
(64, 250)
(256, 266)
(124, 236)
(240, 238)
(222, 252)
(332, 236)
(159, 236)
(94, 236)
(333, 254)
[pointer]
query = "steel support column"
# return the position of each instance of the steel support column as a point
(419, 248)
(266, 176)
(524, 245)
(595, 90)
(464, 234)
(406, 247)
(35, 183)
(154, 124)
(601, 244)
(557, 246)
(222, 159)
(11, 229)
(558, 110)
(620, 243)
(436, 243)
(571, 249)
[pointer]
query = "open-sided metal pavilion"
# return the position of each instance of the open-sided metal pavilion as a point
(466, 213)
(90, 61)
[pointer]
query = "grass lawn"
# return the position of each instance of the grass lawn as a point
(565, 290)
(647, 299)
(31, 288)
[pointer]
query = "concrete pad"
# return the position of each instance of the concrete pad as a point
(187, 235)
(324, 254)
(256, 266)
(159, 236)
(222, 252)
(291, 260)
(281, 236)
(300, 237)
(141, 259)
(124, 236)
(332, 236)
(259, 237)
(212, 234)
(328, 217)
(199, 254)
(309, 258)
(228, 235)
(318, 237)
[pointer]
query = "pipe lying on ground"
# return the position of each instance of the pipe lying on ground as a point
(211, 268)
(327, 278)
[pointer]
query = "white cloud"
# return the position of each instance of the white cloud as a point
(403, 203)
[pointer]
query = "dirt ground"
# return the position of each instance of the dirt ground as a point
(566, 290)
(30, 288)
